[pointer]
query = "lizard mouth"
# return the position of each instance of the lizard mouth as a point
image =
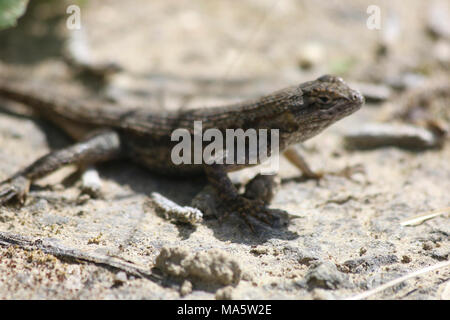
(354, 103)
(358, 98)
(345, 108)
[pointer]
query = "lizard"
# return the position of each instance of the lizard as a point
(104, 133)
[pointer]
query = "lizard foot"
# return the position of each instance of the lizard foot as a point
(249, 209)
(14, 188)
(262, 187)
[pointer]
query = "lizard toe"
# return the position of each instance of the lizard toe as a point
(254, 209)
(14, 188)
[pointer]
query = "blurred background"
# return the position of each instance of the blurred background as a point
(179, 52)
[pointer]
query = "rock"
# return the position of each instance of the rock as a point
(375, 135)
(259, 250)
(428, 245)
(367, 264)
(309, 257)
(212, 266)
(406, 259)
(120, 277)
(91, 183)
(326, 276)
(440, 254)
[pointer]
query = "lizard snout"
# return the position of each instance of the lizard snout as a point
(357, 97)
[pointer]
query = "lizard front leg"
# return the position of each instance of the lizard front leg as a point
(294, 157)
(233, 202)
(100, 146)
(297, 160)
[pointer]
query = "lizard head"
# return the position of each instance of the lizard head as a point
(329, 99)
(315, 105)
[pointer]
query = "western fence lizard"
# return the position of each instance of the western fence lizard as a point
(298, 112)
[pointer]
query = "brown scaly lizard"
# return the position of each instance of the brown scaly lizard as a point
(299, 112)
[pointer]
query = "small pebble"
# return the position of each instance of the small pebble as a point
(406, 259)
(427, 245)
(91, 183)
(120, 277)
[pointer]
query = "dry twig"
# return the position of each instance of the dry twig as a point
(74, 255)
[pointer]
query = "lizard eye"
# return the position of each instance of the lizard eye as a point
(324, 99)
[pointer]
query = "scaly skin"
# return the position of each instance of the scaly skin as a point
(299, 112)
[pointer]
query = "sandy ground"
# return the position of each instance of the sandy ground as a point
(346, 237)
